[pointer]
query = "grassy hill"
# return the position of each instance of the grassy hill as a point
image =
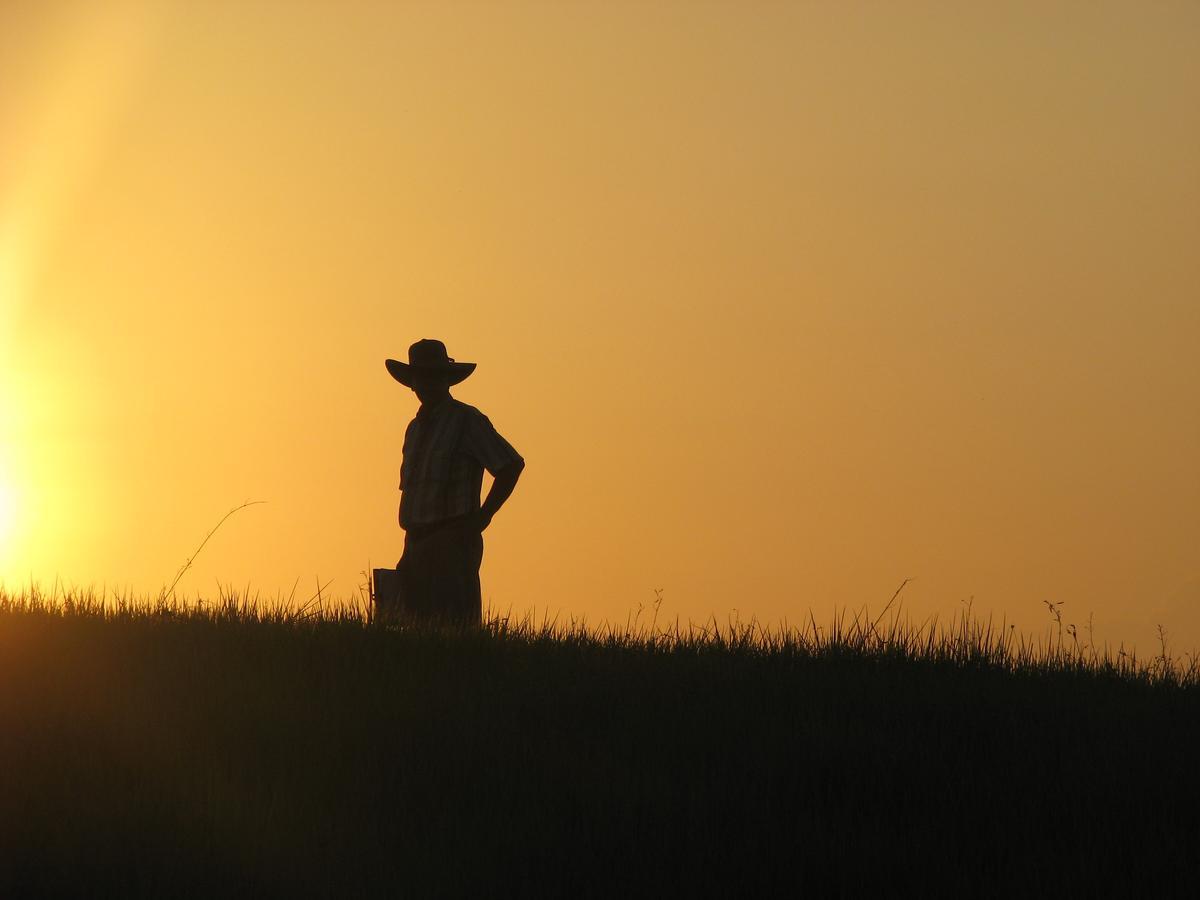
(161, 750)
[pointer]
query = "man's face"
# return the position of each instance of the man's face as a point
(430, 386)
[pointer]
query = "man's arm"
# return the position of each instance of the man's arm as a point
(502, 488)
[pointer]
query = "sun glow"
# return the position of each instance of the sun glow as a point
(11, 418)
(8, 511)
(75, 78)
(10, 514)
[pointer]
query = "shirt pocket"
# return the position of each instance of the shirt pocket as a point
(439, 466)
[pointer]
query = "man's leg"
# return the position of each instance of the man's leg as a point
(451, 560)
(419, 579)
(470, 602)
(439, 575)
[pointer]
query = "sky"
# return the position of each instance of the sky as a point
(783, 303)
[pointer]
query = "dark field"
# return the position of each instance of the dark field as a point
(230, 752)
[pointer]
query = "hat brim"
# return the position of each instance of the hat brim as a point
(403, 372)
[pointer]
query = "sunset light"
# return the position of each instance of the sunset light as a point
(796, 402)
(717, 265)
(8, 512)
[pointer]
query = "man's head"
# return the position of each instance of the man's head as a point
(430, 386)
(429, 372)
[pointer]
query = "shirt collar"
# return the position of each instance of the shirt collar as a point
(427, 412)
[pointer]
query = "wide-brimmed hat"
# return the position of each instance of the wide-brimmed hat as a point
(428, 356)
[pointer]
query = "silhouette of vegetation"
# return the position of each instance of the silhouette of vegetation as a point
(239, 746)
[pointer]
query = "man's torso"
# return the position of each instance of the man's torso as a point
(446, 449)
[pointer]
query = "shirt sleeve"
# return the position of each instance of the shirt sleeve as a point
(484, 444)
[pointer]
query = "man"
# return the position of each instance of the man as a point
(446, 448)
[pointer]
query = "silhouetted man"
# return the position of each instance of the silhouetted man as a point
(446, 448)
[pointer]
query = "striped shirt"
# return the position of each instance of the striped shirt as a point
(446, 449)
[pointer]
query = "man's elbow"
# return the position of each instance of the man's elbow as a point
(513, 469)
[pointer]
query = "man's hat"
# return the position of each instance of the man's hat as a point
(428, 356)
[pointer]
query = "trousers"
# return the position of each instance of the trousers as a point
(438, 576)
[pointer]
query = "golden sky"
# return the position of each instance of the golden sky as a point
(782, 302)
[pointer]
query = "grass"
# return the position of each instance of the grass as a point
(160, 747)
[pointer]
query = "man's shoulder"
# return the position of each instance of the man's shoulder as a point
(466, 409)
(451, 409)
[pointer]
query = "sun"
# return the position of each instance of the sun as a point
(8, 512)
